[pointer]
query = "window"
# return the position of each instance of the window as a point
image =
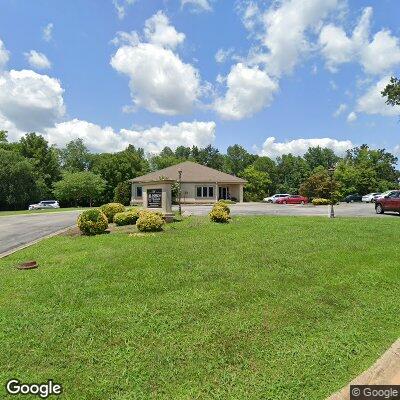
(139, 191)
(205, 191)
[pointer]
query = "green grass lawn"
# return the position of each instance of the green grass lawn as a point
(263, 308)
(17, 212)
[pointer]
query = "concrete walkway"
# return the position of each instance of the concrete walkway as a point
(386, 371)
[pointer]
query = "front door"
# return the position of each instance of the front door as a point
(223, 193)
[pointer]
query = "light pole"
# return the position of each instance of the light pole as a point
(179, 191)
(331, 171)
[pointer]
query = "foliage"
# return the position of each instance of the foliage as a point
(75, 156)
(126, 218)
(92, 222)
(224, 205)
(320, 202)
(118, 167)
(19, 185)
(79, 188)
(257, 186)
(219, 214)
(149, 222)
(111, 209)
(123, 192)
(319, 185)
(226, 201)
(292, 172)
(237, 159)
(320, 157)
(44, 158)
(392, 92)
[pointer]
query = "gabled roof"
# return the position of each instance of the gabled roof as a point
(191, 172)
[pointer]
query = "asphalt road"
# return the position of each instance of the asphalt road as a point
(19, 230)
(341, 210)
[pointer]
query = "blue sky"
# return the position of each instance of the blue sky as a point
(294, 70)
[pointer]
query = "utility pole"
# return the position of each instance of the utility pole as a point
(331, 171)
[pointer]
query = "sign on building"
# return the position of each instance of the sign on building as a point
(154, 198)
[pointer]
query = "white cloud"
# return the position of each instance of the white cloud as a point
(396, 150)
(152, 140)
(48, 32)
(200, 5)
(285, 32)
(352, 117)
(4, 55)
(30, 101)
(159, 31)
(340, 110)
(377, 56)
(249, 90)
(222, 55)
(251, 16)
(372, 102)
(299, 147)
(121, 6)
(130, 38)
(159, 80)
(37, 60)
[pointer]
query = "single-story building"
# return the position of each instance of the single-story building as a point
(199, 184)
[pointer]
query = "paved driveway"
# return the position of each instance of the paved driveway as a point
(19, 230)
(341, 210)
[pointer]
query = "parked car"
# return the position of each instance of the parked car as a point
(390, 202)
(272, 199)
(352, 198)
(387, 193)
(292, 199)
(44, 204)
(370, 198)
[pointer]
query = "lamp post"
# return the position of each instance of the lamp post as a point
(331, 171)
(179, 192)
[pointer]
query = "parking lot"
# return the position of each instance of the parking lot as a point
(341, 210)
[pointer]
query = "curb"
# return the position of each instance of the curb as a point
(386, 371)
(25, 245)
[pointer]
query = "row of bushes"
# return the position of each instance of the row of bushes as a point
(321, 202)
(220, 212)
(95, 221)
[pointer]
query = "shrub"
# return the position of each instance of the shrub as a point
(219, 214)
(92, 222)
(111, 209)
(150, 222)
(143, 212)
(321, 202)
(231, 201)
(223, 205)
(126, 218)
(122, 193)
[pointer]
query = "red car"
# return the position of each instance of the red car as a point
(292, 199)
(391, 202)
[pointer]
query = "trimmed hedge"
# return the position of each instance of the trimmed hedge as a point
(126, 218)
(321, 202)
(150, 221)
(223, 205)
(111, 209)
(92, 222)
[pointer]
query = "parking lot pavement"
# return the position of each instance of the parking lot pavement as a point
(19, 230)
(341, 210)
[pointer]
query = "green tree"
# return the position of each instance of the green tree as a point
(75, 156)
(210, 157)
(319, 185)
(123, 192)
(292, 172)
(164, 159)
(392, 92)
(44, 158)
(320, 156)
(237, 159)
(79, 188)
(266, 164)
(118, 167)
(18, 182)
(258, 184)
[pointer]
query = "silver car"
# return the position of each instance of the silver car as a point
(44, 204)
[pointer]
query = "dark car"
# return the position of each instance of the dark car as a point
(390, 202)
(352, 198)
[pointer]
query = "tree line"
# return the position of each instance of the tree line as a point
(32, 170)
